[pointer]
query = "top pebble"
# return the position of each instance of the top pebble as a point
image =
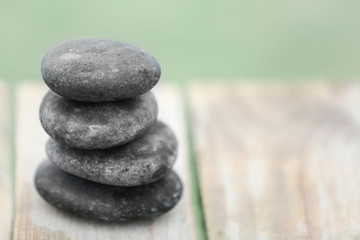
(99, 70)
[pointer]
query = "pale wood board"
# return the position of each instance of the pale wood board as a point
(5, 166)
(278, 161)
(35, 219)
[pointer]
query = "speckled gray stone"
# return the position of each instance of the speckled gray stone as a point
(97, 70)
(97, 125)
(143, 160)
(105, 202)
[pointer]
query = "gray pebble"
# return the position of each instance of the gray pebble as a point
(143, 160)
(97, 125)
(104, 202)
(97, 70)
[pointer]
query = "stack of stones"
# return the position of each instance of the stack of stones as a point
(110, 159)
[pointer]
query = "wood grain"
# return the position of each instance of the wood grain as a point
(278, 161)
(35, 219)
(5, 166)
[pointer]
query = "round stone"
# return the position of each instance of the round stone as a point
(104, 202)
(141, 161)
(97, 125)
(97, 70)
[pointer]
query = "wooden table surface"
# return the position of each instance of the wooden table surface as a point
(270, 161)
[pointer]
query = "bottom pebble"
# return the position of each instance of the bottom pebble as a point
(104, 202)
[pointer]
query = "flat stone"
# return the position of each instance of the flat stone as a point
(103, 202)
(141, 161)
(97, 125)
(97, 70)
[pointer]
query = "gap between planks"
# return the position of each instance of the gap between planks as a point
(278, 161)
(35, 219)
(5, 166)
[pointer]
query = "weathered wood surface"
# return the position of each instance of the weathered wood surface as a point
(278, 162)
(5, 166)
(35, 219)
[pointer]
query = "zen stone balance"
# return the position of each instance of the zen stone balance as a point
(108, 157)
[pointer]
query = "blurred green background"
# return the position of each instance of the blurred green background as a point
(198, 39)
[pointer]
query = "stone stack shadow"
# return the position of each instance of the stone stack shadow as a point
(109, 158)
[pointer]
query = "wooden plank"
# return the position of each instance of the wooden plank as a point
(35, 219)
(5, 166)
(278, 161)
